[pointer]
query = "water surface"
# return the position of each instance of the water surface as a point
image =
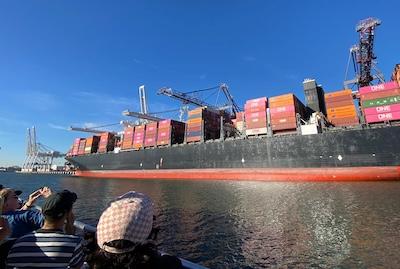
(229, 224)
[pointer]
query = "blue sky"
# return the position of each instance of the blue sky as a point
(80, 63)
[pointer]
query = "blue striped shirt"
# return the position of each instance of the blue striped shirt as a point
(46, 249)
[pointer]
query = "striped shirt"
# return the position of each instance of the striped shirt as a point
(46, 249)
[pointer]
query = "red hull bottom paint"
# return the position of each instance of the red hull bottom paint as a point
(371, 173)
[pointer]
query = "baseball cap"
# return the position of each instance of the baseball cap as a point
(57, 204)
(129, 217)
(17, 192)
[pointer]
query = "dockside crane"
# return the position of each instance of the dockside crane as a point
(362, 56)
(144, 115)
(39, 157)
(190, 98)
(93, 130)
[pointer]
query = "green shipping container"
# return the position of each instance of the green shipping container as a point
(382, 101)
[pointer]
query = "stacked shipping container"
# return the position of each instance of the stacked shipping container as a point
(340, 108)
(239, 122)
(381, 102)
(138, 140)
(150, 139)
(256, 116)
(81, 149)
(106, 142)
(92, 144)
(127, 141)
(202, 124)
(283, 110)
(170, 132)
(75, 146)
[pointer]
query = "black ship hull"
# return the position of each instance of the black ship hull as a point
(356, 154)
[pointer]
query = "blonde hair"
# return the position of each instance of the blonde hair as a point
(1, 204)
(5, 192)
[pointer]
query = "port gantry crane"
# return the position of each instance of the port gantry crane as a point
(93, 130)
(39, 157)
(189, 98)
(363, 57)
(144, 115)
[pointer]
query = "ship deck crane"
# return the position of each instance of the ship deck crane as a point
(144, 115)
(141, 116)
(362, 56)
(189, 98)
(93, 130)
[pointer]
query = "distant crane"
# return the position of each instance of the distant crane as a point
(363, 57)
(38, 156)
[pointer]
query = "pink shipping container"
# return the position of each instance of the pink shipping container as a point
(282, 109)
(138, 139)
(380, 87)
(257, 100)
(128, 133)
(164, 123)
(150, 142)
(252, 115)
(383, 117)
(382, 109)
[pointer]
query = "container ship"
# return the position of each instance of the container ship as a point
(344, 135)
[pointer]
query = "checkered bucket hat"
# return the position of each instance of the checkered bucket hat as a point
(129, 217)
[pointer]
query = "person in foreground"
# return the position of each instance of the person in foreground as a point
(22, 220)
(5, 230)
(123, 234)
(54, 245)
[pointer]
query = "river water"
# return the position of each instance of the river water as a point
(233, 224)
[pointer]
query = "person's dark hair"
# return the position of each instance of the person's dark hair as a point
(58, 204)
(141, 257)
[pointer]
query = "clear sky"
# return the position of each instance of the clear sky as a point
(80, 62)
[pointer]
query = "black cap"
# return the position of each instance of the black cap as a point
(57, 204)
(17, 192)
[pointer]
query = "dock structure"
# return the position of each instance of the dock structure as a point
(38, 156)
(47, 172)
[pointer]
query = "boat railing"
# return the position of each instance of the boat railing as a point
(86, 228)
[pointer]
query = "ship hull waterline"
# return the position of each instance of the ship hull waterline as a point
(389, 173)
(343, 155)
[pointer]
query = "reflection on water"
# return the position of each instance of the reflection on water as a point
(225, 224)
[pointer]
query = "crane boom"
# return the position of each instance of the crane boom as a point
(140, 115)
(363, 57)
(187, 98)
(183, 97)
(88, 130)
(142, 98)
(235, 108)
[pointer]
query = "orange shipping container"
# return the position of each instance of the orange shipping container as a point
(347, 102)
(350, 108)
(284, 126)
(196, 120)
(345, 121)
(345, 92)
(283, 97)
(283, 115)
(289, 102)
(283, 120)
